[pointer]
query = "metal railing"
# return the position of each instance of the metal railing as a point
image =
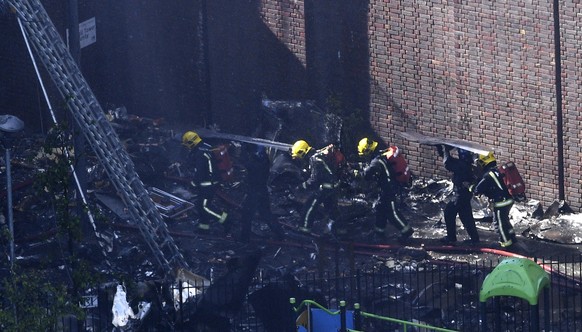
(442, 294)
(358, 315)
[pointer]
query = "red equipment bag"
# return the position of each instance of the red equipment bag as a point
(333, 155)
(399, 164)
(339, 157)
(513, 181)
(223, 162)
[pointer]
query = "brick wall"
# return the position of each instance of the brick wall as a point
(482, 71)
(256, 49)
(286, 20)
(570, 22)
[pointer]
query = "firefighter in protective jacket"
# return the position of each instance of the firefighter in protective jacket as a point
(382, 173)
(492, 186)
(204, 180)
(460, 202)
(322, 183)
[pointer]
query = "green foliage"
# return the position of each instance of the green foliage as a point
(56, 181)
(33, 302)
(4, 235)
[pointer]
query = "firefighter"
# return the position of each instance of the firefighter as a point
(492, 186)
(205, 180)
(460, 201)
(257, 201)
(322, 184)
(382, 173)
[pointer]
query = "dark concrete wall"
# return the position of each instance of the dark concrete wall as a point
(20, 92)
(144, 59)
(147, 58)
(337, 52)
(247, 61)
(155, 58)
(483, 71)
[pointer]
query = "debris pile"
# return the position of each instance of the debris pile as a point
(218, 255)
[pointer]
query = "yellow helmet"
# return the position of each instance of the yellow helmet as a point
(300, 149)
(485, 160)
(366, 146)
(190, 139)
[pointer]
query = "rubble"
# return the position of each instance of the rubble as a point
(159, 159)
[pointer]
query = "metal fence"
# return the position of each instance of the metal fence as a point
(438, 293)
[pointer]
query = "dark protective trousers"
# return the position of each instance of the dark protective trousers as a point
(503, 225)
(387, 210)
(327, 197)
(206, 210)
(258, 203)
(460, 205)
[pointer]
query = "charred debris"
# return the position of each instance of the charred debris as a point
(51, 231)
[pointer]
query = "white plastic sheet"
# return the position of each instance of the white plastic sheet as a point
(121, 310)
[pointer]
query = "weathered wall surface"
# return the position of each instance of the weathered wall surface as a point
(20, 92)
(570, 28)
(286, 20)
(480, 70)
(145, 58)
(248, 61)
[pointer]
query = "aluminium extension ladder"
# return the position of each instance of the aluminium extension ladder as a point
(87, 112)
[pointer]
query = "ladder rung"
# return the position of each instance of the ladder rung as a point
(100, 134)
